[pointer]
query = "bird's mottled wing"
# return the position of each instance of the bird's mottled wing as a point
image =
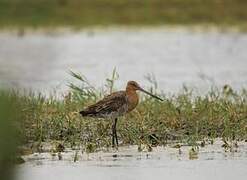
(112, 105)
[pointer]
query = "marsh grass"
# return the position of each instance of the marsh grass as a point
(184, 118)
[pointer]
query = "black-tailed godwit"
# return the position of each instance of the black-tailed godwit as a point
(115, 105)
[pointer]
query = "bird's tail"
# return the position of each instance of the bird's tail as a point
(85, 113)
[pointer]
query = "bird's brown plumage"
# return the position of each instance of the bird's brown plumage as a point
(111, 106)
(115, 104)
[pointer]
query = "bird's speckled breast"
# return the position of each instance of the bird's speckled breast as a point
(132, 98)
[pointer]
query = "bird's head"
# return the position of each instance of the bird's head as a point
(134, 86)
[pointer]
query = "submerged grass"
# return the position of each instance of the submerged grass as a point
(81, 13)
(183, 117)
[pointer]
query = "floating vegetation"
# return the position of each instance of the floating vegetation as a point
(193, 153)
(177, 146)
(76, 157)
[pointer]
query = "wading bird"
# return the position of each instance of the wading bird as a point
(115, 105)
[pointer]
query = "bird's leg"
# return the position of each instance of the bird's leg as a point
(115, 123)
(113, 134)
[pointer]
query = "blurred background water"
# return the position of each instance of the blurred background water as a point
(41, 61)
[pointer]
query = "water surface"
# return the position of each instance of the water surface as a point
(212, 162)
(41, 60)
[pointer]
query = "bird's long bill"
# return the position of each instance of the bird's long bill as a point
(150, 94)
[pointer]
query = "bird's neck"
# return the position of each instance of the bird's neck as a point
(133, 99)
(130, 91)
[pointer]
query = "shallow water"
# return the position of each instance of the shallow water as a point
(212, 162)
(41, 60)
